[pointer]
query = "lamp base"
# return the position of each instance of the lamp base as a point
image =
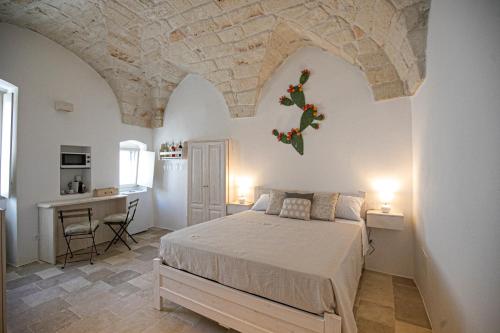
(385, 209)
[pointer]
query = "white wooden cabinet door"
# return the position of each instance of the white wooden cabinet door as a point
(207, 181)
(216, 200)
(197, 201)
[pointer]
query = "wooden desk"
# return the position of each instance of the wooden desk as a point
(51, 243)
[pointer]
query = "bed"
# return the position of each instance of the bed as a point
(261, 273)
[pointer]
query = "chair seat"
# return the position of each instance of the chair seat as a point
(115, 218)
(81, 228)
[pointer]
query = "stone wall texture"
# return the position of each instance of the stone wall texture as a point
(144, 48)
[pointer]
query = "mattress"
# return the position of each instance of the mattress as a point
(313, 266)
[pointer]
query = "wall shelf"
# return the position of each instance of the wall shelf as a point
(172, 151)
(170, 155)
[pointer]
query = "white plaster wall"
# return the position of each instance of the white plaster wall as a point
(456, 136)
(360, 140)
(44, 72)
(195, 111)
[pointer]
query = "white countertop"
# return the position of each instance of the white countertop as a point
(62, 203)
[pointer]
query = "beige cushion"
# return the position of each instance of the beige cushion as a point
(296, 208)
(81, 228)
(276, 198)
(349, 207)
(323, 206)
(116, 217)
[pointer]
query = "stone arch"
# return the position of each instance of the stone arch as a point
(145, 48)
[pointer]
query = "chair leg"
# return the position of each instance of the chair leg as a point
(90, 259)
(124, 243)
(93, 242)
(123, 230)
(119, 235)
(114, 238)
(131, 236)
(68, 247)
(120, 232)
(66, 255)
(91, 249)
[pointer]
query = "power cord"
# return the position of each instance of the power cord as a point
(371, 242)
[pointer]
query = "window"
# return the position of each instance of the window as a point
(8, 103)
(136, 165)
(129, 160)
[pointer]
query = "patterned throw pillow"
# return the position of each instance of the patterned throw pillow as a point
(296, 208)
(323, 206)
(276, 198)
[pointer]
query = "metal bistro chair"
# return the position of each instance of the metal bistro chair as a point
(121, 220)
(78, 230)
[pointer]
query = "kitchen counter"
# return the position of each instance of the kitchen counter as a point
(62, 203)
(51, 241)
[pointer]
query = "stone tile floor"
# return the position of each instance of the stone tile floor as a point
(114, 295)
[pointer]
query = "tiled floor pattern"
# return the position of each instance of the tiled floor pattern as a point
(114, 296)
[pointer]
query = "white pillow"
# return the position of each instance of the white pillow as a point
(262, 203)
(349, 207)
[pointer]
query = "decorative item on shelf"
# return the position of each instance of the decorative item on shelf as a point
(309, 114)
(171, 151)
(75, 186)
(104, 192)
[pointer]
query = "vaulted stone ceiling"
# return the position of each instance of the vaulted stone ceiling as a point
(144, 48)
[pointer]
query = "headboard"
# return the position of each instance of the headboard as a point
(258, 190)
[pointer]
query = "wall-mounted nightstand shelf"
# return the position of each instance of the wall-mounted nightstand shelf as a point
(235, 207)
(377, 219)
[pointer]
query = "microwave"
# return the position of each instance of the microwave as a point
(75, 160)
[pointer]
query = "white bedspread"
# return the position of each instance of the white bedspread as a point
(314, 266)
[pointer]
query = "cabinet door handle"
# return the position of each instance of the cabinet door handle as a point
(205, 186)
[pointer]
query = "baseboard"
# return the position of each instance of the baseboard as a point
(424, 302)
(399, 275)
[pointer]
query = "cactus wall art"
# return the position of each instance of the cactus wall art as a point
(310, 115)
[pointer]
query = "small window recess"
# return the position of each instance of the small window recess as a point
(134, 167)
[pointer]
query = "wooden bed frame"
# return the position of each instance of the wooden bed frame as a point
(232, 308)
